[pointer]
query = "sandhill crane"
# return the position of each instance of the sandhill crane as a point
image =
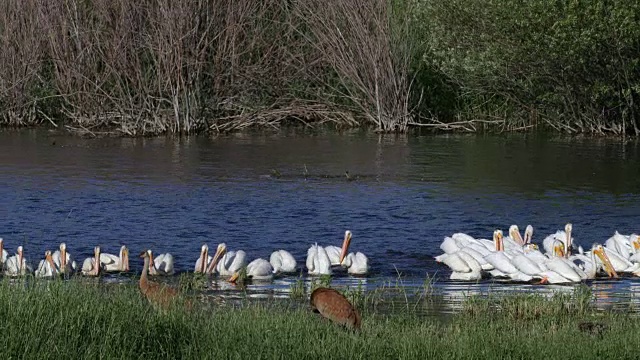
(335, 307)
(156, 293)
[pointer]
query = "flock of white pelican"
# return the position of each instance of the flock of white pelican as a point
(517, 258)
(320, 261)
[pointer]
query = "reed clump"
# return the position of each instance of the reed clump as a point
(150, 67)
(86, 319)
(159, 66)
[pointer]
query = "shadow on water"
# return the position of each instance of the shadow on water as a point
(399, 195)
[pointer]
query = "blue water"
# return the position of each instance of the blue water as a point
(406, 194)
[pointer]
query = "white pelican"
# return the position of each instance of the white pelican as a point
(46, 267)
(450, 246)
(463, 267)
(532, 252)
(635, 247)
(16, 265)
(458, 241)
(226, 263)
(204, 260)
(514, 240)
(625, 246)
(260, 269)
(283, 262)
(564, 236)
(161, 264)
(3, 254)
(591, 265)
(318, 261)
(113, 263)
(461, 242)
(621, 264)
(335, 253)
(356, 264)
(528, 234)
(63, 260)
(502, 262)
(92, 266)
(561, 266)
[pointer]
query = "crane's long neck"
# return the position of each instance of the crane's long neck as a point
(152, 266)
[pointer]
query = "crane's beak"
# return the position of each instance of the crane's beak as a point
(608, 267)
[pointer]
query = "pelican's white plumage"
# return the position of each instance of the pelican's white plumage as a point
(564, 269)
(227, 263)
(336, 254)
(283, 262)
(318, 262)
(620, 244)
(514, 240)
(63, 260)
(333, 252)
(464, 267)
(590, 264)
(478, 253)
(115, 263)
(92, 265)
(527, 265)
(620, 264)
(501, 261)
(46, 267)
(161, 264)
(204, 260)
(260, 269)
(17, 265)
(3, 254)
(356, 264)
(528, 234)
(560, 235)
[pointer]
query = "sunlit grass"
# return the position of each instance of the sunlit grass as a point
(80, 319)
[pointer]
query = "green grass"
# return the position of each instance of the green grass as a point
(78, 319)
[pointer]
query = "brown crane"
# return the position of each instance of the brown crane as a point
(156, 293)
(335, 307)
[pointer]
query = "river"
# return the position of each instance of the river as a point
(288, 190)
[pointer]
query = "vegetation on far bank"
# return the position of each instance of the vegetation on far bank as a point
(151, 67)
(84, 319)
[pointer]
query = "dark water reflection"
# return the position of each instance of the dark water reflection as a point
(409, 192)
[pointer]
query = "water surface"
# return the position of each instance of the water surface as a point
(262, 192)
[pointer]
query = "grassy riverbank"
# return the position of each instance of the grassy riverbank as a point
(82, 320)
(152, 67)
